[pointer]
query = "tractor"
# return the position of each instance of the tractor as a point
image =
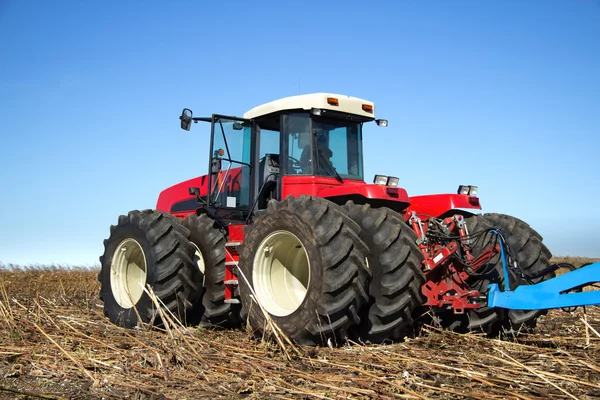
(284, 229)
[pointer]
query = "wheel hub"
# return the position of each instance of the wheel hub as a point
(281, 273)
(199, 261)
(128, 273)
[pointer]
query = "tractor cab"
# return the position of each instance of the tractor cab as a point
(300, 145)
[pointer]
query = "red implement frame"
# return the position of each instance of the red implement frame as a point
(446, 284)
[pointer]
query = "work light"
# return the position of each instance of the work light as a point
(467, 190)
(393, 181)
(380, 180)
(463, 189)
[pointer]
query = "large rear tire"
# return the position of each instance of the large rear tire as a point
(305, 263)
(395, 264)
(148, 248)
(532, 256)
(210, 241)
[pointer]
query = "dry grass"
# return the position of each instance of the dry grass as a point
(576, 261)
(56, 344)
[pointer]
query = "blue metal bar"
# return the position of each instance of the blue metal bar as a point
(547, 294)
(504, 266)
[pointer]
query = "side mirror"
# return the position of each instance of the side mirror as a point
(186, 119)
(238, 126)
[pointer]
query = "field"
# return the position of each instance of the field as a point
(56, 344)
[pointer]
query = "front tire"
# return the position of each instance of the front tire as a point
(395, 263)
(147, 248)
(304, 262)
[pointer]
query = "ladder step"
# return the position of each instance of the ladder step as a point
(232, 244)
(231, 262)
(232, 301)
(231, 282)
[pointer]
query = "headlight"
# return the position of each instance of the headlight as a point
(380, 180)
(467, 190)
(463, 189)
(393, 181)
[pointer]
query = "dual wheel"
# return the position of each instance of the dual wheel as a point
(324, 273)
(148, 250)
(183, 262)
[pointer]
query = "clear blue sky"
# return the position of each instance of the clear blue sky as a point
(500, 94)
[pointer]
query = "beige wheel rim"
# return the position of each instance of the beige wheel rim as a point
(199, 261)
(281, 273)
(128, 273)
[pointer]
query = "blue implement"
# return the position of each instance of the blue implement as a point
(549, 294)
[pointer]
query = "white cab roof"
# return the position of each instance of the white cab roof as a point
(347, 104)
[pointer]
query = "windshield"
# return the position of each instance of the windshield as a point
(338, 145)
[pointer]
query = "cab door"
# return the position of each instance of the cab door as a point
(230, 169)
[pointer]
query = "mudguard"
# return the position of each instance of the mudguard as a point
(439, 205)
(177, 198)
(358, 191)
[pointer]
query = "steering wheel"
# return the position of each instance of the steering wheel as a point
(294, 164)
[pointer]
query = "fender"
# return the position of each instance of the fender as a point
(437, 205)
(177, 198)
(358, 191)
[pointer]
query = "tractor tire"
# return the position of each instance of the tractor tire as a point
(303, 262)
(210, 241)
(484, 319)
(149, 248)
(532, 256)
(394, 261)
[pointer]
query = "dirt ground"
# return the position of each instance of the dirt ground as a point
(55, 343)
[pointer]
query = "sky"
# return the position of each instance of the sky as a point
(502, 94)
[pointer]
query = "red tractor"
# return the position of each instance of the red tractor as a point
(284, 229)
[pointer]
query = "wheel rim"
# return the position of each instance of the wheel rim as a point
(199, 261)
(128, 270)
(281, 273)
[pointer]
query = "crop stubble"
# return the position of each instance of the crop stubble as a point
(56, 344)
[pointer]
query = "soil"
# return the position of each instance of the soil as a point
(55, 343)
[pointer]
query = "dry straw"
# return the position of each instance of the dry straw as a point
(57, 344)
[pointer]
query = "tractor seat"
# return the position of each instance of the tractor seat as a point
(268, 173)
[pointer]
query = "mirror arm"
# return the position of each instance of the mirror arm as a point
(203, 119)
